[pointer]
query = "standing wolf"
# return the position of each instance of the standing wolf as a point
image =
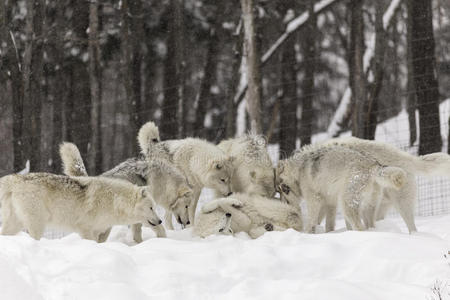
(248, 213)
(167, 184)
(203, 163)
(404, 199)
(327, 175)
(80, 204)
(253, 170)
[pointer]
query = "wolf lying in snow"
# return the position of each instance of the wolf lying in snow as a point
(404, 199)
(80, 204)
(249, 213)
(253, 170)
(167, 184)
(204, 165)
(327, 175)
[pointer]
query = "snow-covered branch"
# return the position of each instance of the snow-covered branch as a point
(344, 104)
(291, 27)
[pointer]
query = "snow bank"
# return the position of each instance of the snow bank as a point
(285, 265)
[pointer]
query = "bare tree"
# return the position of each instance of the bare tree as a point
(253, 69)
(357, 76)
(95, 79)
(424, 73)
(288, 103)
(172, 107)
(309, 54)
(411, 94)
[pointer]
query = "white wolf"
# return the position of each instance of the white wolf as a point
(80, 204)
(167, 184)
(253, 169)
(327, 175)
(404, 199)
(203, 163)
(248, 213)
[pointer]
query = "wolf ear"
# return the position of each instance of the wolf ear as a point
(144, 192)
(252, 175)
(231, 159)
(184, 192)
(280, 168)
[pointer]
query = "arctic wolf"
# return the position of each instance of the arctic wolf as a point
(249, 213)
(327, 175)
(203, 163)
(80, 204)
(167, 184)
(404, 199)
(253, 169)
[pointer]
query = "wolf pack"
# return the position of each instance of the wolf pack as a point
(361, 178)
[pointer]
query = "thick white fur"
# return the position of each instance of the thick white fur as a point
(249, 213)
(72, 162)
(253, 169)
(148, 135)
(404, 199)
(80, 204)
(325, 176)
(167, 186)
(204, 165)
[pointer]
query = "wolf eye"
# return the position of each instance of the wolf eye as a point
(223, 180)
(186, 206)
(285, 188)
(151, 208)
(154, 140)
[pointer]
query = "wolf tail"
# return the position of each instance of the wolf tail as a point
(72, 161)
(434, 164)
(391, 177)
(148, 136)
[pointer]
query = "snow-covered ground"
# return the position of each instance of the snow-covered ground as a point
(383, 264)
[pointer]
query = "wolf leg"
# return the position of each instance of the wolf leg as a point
(330, 222)
(351, 202)
(137, 232)
(102, 237)
(370, 207)
(168, 220)
(314, 203)
(405, 202)
(193, 206)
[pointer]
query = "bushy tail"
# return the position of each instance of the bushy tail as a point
(148, 135)
(72, 161)
(434, 164)
(391, 177)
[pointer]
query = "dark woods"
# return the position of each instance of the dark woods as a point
(92, 72)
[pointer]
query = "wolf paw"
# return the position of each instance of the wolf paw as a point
(268, 227)
(233, 202)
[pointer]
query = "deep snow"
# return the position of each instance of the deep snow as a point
(382, 264)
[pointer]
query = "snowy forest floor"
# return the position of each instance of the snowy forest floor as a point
(386, 263)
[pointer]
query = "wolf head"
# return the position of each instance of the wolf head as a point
(219, 174)
(214, 222)
(261, 181)
(181, 204)
(145, 208)
(287, 182)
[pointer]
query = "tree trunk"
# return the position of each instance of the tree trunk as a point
(208, 80)
(288, 104)
(411, 93)
(374, 88)
(127, 60)
(94, 78)
(309, 54)
(58, 99)
(10, 68)
(358, 80)
(172, 107)
(137, 37)
(424, 73)
(253, 67)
